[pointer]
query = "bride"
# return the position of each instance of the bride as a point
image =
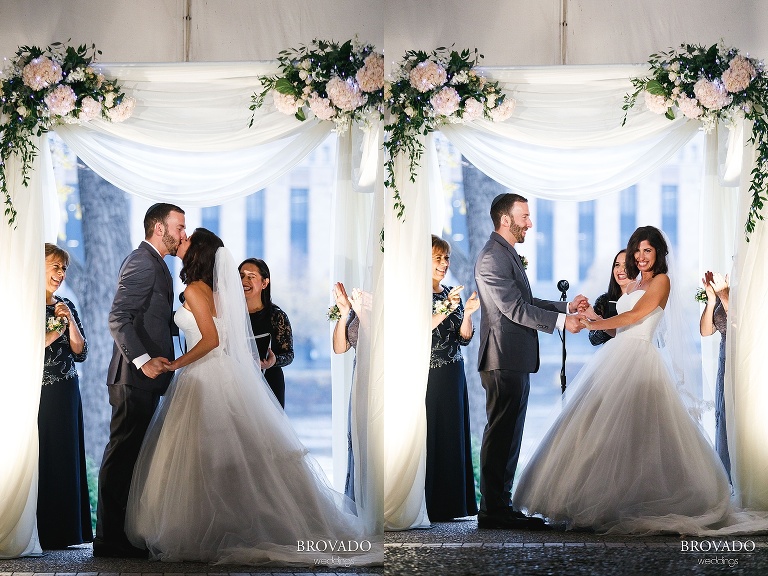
(625, 455)
(222, 476)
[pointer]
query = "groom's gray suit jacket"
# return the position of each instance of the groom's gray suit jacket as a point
(140, 320)
(511, 316)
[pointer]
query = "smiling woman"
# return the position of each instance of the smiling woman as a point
(270, 324)
(449, 485)
(63, 508)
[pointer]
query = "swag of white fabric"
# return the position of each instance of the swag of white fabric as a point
(566, 142)
(188, 142)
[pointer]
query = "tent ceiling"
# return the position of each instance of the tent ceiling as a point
(507, 32)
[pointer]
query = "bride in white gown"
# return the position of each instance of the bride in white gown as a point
(222, 476)
(625, 455)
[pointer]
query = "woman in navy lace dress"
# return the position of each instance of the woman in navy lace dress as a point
(449, 484)
(63, 506)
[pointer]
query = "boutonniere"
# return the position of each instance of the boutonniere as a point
(524, 260)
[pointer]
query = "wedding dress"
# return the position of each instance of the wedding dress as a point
(222, 476)
(625, 455)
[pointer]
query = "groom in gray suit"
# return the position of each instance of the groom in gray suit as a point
(142, 328)
(509, 352)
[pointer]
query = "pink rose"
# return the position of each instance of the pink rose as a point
(711, 95)
(61, 100)
(446, 101)
(345, 94)
(285, 103)
(427, 75)
(739, 74)
(321, 107)
(40, 73)
(371, 76)
(504, 110)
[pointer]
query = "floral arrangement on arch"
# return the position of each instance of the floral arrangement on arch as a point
(430, 90)
(338, 82)
(41, 88)
(710, 85)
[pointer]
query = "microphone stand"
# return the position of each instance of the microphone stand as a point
(563, 286)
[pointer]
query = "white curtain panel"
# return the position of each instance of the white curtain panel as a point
(746, 382)
(564, 142)
(22, 344)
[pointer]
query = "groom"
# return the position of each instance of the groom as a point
(509, 352)
(141, 326)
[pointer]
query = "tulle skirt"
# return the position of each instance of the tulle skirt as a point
(625, 456)
(222, 477)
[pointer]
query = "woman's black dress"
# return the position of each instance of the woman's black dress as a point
(63, 505)
(603, 308)
(275, 323)
(449, 484)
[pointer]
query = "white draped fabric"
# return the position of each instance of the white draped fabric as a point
(189, 143)
(565, 141)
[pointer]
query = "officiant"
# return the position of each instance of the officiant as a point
(270, 324)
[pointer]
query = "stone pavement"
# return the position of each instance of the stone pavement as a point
(79, 560)
(459, 548)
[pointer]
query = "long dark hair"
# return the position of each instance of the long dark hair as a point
(614, 290)
(200, 257)
(656, 239)
(266, 293)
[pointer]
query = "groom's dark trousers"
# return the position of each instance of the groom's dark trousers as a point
(506, 401)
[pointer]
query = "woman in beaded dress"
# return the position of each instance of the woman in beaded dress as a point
(449, 483)
(714, 317)
(63, 506)
(345, 337)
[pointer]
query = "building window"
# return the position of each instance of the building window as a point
(586, 237)
(627, 217)
(299, 228)
(544, 247)
(669, 212)
(254, 225)
(210, 218)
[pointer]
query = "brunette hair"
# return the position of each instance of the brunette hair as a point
(266, 293)
(158, 213)
(656, 239)
(503, 204)
(440, 245)
(58, 253)
(614, 290)
(200, 257)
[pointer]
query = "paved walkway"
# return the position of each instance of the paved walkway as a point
(459, 548)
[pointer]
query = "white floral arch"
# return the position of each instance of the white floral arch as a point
(567, 123)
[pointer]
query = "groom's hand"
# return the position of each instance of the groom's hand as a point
(579, 304)
(154, 367)
(573, 323)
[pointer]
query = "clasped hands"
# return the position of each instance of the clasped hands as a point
(155, 366)
(579, 313)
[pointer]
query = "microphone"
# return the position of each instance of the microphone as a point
(563, 286)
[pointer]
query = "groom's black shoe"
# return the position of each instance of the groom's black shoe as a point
(510, 520)
(103, 549)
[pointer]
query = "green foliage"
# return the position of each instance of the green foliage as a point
(24, 112)
(681, 80)
(416, 101)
